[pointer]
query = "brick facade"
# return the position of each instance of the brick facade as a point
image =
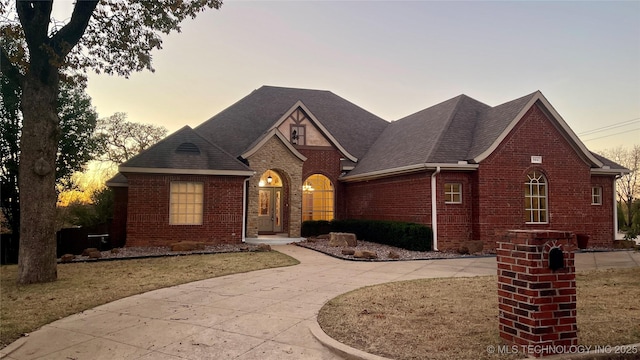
(118, 230)
(492, 195)
(498, 189)
(148, 210)
(537, 303)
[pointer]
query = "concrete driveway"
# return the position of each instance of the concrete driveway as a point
(264, 314)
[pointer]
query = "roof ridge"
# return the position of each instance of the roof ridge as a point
(217, 147)
(449, 120)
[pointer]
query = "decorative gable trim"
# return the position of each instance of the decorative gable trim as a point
(273, 132)
(318, 124)
(559, 123)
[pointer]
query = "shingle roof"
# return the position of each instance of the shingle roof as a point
(240, 125)
(456, 130)
(493, 121)
(184, 149)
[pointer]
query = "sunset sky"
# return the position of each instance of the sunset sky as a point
(394, 58)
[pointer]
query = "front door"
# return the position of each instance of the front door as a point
(270, 211)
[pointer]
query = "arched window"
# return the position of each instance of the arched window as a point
(535, 198)
(317, 198)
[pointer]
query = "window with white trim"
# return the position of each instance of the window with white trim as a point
(535, 198)
(596, 195)
(186, 203)
(452, 193)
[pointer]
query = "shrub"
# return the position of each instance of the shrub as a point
(410, 236)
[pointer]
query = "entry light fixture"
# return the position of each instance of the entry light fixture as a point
(307, 187)
(269, 179)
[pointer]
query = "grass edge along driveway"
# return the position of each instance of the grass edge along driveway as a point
(82, 286)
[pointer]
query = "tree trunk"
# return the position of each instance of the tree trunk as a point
(38, 151)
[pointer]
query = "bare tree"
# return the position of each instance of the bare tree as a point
(628, 187)
(122, 139)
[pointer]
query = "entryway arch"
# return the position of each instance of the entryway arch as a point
(270, 203)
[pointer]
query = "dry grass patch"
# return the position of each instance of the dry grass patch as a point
(457, 318)
(82, 286)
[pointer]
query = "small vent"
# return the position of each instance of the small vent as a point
(189, 148)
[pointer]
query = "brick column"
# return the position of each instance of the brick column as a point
(537, 305)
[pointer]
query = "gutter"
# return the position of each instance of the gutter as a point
(434, 209)
(461, 166)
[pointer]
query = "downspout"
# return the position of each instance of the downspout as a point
(434, 209)
(244, 208)
(615, 207)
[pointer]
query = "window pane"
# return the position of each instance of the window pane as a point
(186, 203)
(535, 198)
(317, 198)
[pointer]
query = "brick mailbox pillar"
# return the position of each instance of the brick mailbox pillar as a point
(537, 291)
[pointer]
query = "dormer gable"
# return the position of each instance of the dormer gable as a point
(301, 128)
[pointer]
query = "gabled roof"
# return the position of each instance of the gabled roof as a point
(458, 133)
(239, 126)
(262, 140)
(185, 152)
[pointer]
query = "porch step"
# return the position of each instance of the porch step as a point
(277, 239)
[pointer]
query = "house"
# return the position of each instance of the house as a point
(281, 156)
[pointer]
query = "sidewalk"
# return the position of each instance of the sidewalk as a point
(264, 314)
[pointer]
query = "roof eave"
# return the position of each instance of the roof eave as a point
(609, 171)
(141, 170)
(403, 170)
(273, 132)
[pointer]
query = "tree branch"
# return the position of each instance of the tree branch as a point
(34, 18)
(69, 36)
(8, 68)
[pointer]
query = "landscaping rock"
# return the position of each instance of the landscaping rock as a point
(244, 248)
(67, 258)
(323, 236)
(347, 251)
(115, 250)
(393, 255)
(342, 239)
(365, 254)
(263, 248)
(471, 247)
(87, 251)
(95, 255)
(187, 246)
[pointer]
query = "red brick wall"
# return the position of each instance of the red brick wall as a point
(408, 198)
(148, 210)
(454, 220)
(118, 230)
(537, 304)
(400, 198)
(499, 186)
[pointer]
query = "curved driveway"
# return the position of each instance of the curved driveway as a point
(264, 314)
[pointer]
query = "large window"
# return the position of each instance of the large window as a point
(535, 198)
(186, 203)
(317, 198)
(452, 193)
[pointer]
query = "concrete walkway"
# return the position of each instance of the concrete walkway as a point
(264, 314)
